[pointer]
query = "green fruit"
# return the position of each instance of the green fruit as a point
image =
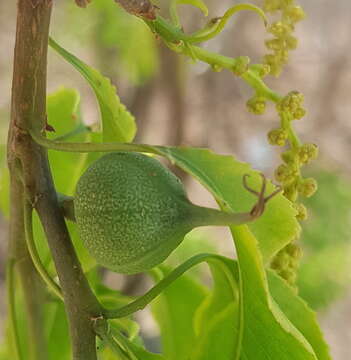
(132, 212)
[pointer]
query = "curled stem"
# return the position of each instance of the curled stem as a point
(218, 28)
(10, 282)
(28, 225)
(141, 302)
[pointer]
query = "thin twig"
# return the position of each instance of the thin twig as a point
(28, 224)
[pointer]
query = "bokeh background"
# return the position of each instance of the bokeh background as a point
(176, 101)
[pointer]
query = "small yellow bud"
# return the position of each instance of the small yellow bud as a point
(256, 105)
(307, 152)
(294, 251)
(299, 113)
(285, 174)
(289, 275)
(282, 55)
(277, 137)
(295, 13)
(280, 29)
(291, 42)
(291, 103)
(290, 192)
(281, 261)
(241, 65)
(301, 211)
(274, 44)
(308, 187)
(265, 70)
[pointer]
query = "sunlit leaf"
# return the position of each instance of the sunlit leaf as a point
(117, 122)
(267, 332)
(298, 312)
(217, 319)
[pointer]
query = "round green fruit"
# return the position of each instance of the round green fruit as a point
(132, 212)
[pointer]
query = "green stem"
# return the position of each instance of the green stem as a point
(28, 224)
(224, 19)
(176, 40)
(202, 216)
(10, 281)
(91, 147)
(286, 120)
(145, 299)
(102, 329)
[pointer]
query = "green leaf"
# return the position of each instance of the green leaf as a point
(217, 318)
(174, 310)
(54, 324)
(138, 351)
(57, 332)
(267, 332)
(117, 122)
(64, 116)
(223, 177)
(298, 312)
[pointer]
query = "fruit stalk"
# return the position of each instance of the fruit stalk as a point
(202, 216)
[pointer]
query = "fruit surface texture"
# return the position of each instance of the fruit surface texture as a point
(131, 211)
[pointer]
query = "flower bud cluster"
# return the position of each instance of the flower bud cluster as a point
(289, 175)
(256, 105)
(292, 104)
(282, 30)
(241, 65)
(286, 262)
(277, 137)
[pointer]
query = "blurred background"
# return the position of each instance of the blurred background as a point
(178, 102)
